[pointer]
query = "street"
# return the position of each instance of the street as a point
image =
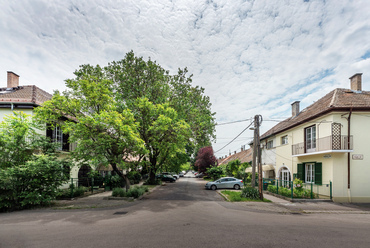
(182, 214)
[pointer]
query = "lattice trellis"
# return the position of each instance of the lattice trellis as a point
(336, 136)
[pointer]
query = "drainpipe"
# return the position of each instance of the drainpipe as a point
(348, 154)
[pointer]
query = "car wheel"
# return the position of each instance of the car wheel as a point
(236, 186)
(213, 187)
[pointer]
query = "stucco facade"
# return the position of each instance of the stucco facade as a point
(326, 143)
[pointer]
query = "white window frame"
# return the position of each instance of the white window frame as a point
(310, 133)
(58, 137)
(310, 173)
(284, 140)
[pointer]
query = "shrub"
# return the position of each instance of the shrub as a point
(134, 192)
(297, 192)
(116, 182)
(298, 183)
(272, 189)
(134, 177)
(215, 172)
(71, 192)
(118, 192)
(34, 183)
(249, 192)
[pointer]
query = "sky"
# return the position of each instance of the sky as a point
(252, 57)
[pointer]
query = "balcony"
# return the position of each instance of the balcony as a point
(329, 144)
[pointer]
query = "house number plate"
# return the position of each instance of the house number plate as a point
(357, 156)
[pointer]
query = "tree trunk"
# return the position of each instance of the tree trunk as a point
(114, 166)
(153, 169)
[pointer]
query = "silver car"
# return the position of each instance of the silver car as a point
(225, 183)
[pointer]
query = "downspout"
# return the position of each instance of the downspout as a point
(349, 155)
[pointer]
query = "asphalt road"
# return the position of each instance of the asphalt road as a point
(181, 214)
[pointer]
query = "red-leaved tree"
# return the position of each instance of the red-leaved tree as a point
(205, 159)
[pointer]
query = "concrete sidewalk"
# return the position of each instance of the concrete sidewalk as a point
(98, 200)
(311, 207)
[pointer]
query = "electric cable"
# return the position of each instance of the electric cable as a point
(235, 137)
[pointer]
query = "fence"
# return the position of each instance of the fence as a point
(306, 190)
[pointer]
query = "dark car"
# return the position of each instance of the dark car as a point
(166, 178)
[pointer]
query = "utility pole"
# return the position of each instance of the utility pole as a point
(257, 162)
(258, 118)
(253, 182)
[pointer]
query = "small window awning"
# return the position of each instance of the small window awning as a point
(266, 167)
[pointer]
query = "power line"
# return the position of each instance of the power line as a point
(226, 123)
(235, 137)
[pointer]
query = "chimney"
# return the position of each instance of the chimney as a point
(356, 82)
(13, 80)
(295, 108)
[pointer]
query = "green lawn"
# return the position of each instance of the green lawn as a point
(234, 196)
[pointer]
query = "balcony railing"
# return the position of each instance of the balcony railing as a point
(329, 143)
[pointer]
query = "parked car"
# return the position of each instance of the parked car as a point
(171, 174)
(200, 175)
(225, 183)
(166, 178)
(181, 174)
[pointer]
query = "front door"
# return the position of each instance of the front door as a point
(285, 177)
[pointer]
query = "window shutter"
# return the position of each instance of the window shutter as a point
(65, 142)
(300, 172)
(318, 173)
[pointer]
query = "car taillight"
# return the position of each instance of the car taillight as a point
(241, 181)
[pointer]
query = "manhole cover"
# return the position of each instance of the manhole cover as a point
(121, 213)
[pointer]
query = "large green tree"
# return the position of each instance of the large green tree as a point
(161, 116)
(164, 134)
(136, 78)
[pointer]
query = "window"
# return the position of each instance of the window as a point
(310, 138)
(56, 135)
(284, 140)
(269, 144)
(310, 172)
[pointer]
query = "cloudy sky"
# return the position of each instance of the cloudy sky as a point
(252, 57)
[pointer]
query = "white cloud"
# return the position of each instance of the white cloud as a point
(252, 57)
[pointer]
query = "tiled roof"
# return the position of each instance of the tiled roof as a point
(338, 99)
(24, 94)
(243, 156)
